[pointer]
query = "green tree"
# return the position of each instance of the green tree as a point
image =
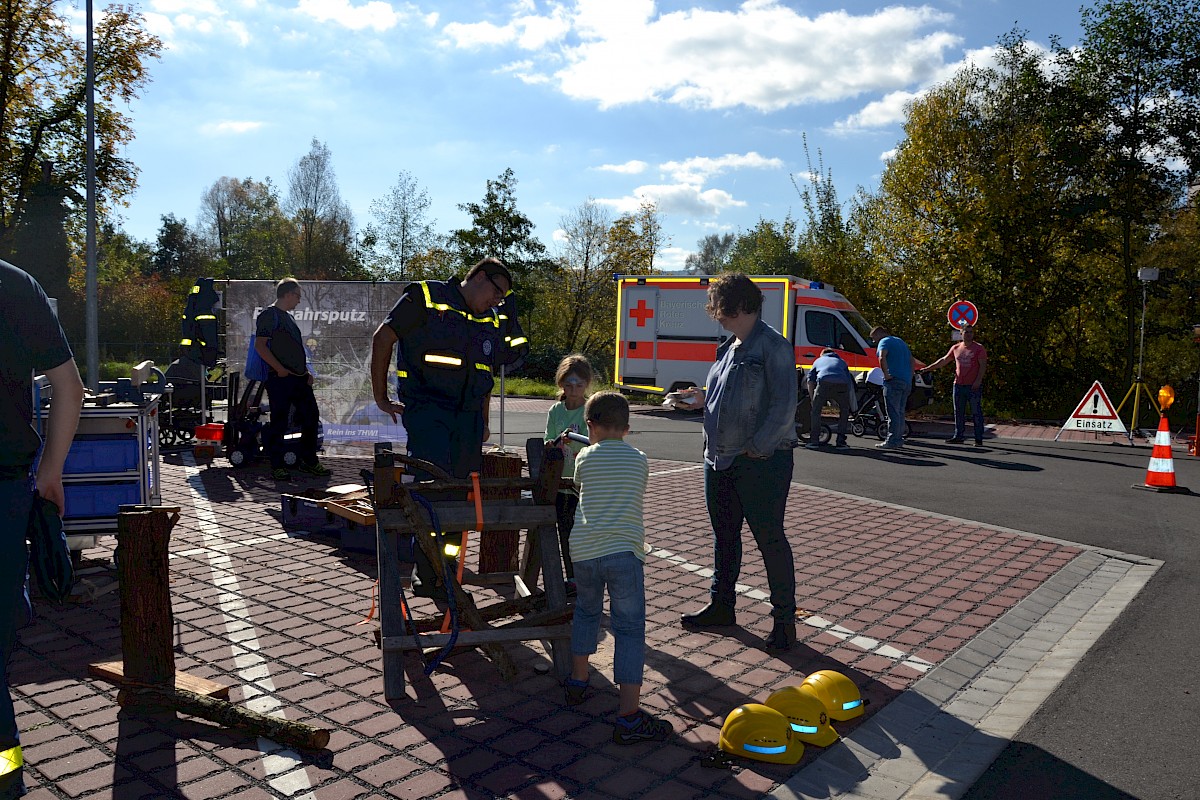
(1138, 68)
(42, 105)
(243, 224)
(769, 248)
(499, 229)
(711, 255)
(324, 225)
(402, 229)
(180, 252)
(635, 239)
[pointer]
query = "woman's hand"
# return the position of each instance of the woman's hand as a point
(694, 395)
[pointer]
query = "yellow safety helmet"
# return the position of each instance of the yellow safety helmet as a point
(837, 693)
(756, 731)
(805, 713)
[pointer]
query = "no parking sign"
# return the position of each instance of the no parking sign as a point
(962, 313)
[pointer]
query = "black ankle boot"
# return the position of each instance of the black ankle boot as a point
(782, 637)
(713, 614)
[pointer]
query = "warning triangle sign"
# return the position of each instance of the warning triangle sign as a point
(1095, 412)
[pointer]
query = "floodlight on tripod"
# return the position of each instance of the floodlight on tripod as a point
(1146, 275)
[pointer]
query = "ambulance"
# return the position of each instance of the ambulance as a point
(666, 341)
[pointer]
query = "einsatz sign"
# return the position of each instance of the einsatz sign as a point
(1094, 413)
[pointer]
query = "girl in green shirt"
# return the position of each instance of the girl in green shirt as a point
(574, 378)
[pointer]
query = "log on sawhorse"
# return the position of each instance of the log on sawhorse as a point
(396, 513)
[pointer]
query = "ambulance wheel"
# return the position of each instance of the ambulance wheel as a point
(858, 428)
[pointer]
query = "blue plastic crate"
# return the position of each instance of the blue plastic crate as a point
(100, 499)
(101, 453)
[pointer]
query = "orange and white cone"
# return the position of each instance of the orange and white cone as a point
(1160, 475)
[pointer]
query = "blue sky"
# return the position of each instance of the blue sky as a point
(697, 105)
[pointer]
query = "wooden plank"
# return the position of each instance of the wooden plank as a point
(455, 516)
(358, 511)
(391, 623)
(477, 638)
(114, 672)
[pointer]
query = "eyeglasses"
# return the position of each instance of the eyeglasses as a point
(502, 291)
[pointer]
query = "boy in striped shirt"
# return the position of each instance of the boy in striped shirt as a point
(607, 549)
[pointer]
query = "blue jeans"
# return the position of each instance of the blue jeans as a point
(754, 491)
(16, 498)
(895, 397)
(622, 573)
(964, 394)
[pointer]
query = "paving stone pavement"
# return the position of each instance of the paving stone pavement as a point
(955, 632)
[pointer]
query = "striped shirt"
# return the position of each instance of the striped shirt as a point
(611, 476)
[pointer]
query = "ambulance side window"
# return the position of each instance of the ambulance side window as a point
(825, 330)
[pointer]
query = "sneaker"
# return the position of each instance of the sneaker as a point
(576, 691)
(979, 442)
(812, 446)
(955, 440)
(315, 468)
(713, 614)
(887, 446)
(641, 727)
(281, 474)
(841, 446)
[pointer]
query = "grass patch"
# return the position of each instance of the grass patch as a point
(531, 387)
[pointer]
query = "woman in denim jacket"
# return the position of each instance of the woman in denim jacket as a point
(749, 428)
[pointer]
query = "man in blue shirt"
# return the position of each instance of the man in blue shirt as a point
(896, 362)
(829, 380)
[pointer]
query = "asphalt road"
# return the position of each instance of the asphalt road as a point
(1126, 722)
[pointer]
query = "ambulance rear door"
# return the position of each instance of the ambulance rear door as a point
(638, 358)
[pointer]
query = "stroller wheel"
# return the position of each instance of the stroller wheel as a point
(858, 428)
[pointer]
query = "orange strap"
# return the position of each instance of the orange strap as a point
(371, 614)
(462, 548)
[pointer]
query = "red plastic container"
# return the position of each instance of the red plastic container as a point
(211, 432)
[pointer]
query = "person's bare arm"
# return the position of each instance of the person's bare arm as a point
(61, 424)
(941, 362)
(382, 343)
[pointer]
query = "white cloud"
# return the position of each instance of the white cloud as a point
(230, 127)
(375, 14)
(628, 168)
(763, 55)
(528, 32)
(700, 169)
(686, 200)
(890, 109)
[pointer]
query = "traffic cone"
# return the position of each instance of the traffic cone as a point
(1160, 476)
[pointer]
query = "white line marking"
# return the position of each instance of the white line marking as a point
(845, 634)
(252, 668)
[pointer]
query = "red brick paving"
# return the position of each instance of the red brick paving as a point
(921, 584)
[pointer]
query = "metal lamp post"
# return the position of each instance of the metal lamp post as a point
(93, 318)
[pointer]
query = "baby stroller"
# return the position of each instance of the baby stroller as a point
(871, 416)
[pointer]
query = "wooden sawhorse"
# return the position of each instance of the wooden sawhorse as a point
(396, 513)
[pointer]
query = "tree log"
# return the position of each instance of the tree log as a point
(283, 731)
(498, 548)
(144, 575)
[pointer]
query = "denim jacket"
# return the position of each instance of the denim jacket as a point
(750, 405)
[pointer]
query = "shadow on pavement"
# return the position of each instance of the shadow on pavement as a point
(1024, 771)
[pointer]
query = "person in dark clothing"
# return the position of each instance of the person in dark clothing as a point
(30, 339)
(289, 386)
(452, 336)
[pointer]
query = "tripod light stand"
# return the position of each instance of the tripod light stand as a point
(1138, 388)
